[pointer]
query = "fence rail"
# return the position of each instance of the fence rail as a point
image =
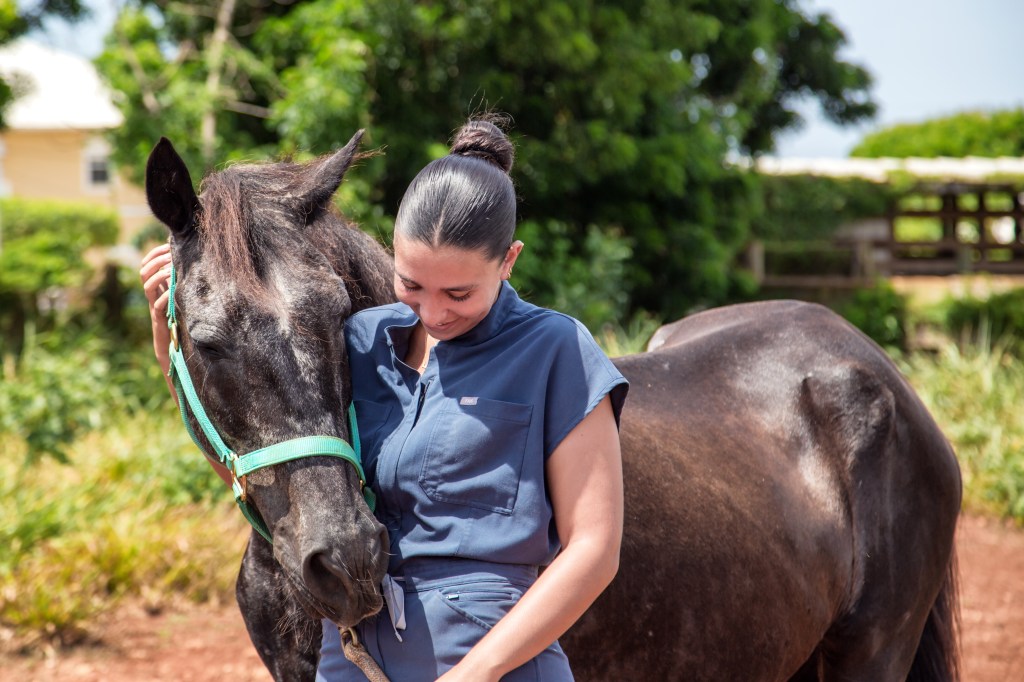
(852, 263)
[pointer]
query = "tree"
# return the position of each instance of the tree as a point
(187, 71)
(971, 133)
(16, 21)
(624, 115)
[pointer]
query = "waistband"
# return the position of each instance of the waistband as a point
(426, 573)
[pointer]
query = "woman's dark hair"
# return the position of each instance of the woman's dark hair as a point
(465, 199)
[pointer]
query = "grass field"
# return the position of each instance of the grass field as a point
(137, 513)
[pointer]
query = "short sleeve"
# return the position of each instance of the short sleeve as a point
(579, 377)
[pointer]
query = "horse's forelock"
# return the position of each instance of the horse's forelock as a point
(237, 238)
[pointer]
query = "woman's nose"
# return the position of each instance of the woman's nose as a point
(431, 313)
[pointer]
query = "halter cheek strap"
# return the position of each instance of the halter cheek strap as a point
(242, 465)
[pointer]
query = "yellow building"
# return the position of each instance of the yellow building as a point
(54, 145)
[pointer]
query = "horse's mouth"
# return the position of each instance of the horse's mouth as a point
(318, 609)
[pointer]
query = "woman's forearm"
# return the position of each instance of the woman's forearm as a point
(560, 596)
(584, 476)
(161, 345)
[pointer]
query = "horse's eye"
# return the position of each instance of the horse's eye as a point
(211, 351)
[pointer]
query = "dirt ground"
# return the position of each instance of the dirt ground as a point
(210, 644)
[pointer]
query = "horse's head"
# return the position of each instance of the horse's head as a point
(261, 299)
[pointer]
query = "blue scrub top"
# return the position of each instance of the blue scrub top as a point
(456, 456)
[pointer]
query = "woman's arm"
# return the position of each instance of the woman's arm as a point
(584, 476)
(155, 273)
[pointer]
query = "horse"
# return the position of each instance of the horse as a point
(790, 503)
(790, 511)
(267, 273)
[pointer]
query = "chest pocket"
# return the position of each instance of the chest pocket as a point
(475, 454)
(371, 418)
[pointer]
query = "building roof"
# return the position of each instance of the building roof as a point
(968, 170)
(62, 90)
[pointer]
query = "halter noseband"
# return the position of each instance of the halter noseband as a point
(242, 465)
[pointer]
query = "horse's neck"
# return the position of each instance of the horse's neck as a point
(366, 267)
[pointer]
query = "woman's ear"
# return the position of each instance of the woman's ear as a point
(510, 258)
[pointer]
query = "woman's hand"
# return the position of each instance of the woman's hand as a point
(155, 273)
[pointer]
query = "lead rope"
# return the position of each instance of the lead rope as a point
(357, 653)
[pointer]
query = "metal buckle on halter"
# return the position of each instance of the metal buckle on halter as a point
(174, 335)
(238, 484)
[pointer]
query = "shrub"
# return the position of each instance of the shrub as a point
(589, 284)
(44, 243)
(139, 515)
(998, 318)
(67, 383)
(810, 208)
(881, 313)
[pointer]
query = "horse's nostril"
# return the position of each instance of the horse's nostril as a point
(322, 571)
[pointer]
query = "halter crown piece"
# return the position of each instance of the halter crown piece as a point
(242, 465)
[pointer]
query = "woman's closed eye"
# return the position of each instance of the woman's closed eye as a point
(454, 294)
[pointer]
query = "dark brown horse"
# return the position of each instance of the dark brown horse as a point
(790, 511)
(790, 503)
(268, 272)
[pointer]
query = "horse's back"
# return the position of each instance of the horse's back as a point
(772, 455)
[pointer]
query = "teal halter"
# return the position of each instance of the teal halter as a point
(242, 465)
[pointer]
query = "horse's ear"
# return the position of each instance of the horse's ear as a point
(325, 175)
(169, 189)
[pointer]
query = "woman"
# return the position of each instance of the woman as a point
(489, 433)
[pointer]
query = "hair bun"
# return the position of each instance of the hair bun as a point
(483, 139)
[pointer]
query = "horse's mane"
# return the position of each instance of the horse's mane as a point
(246, 208)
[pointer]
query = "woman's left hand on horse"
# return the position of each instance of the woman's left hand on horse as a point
(155, 273)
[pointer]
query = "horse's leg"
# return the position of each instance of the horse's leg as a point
(898, 654)
(286, 638)
(904, 498)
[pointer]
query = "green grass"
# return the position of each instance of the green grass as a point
(136, 514)
(617, 340)
(976, 395)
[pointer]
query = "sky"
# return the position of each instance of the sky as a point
(929, 58)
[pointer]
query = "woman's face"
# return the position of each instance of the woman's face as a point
(449, 288)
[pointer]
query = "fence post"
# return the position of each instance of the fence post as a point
(755, 260)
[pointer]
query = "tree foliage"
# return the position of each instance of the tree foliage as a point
(624, 112)
(971, 133)
(812, 207)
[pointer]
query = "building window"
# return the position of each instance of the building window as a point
(99, 171)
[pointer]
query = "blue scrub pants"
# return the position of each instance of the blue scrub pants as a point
(450, 604)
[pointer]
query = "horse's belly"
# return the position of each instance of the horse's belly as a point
(736, 558)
